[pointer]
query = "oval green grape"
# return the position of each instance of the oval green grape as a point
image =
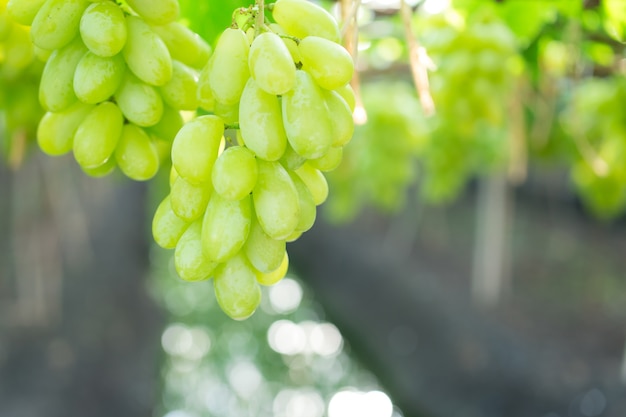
(308, 211)
(341, 120)
(136, 154)
(315, 182)
(56, 23)
(189, 201)
(235, 173)
(141, 103)
(167, 227)
(55, 132)
(184, 44)
(97, 78)
(228, 67)
(271, 64)
(98, 135)
(23, 11)
(180, 91)
(56, 89)
(225, 228)
(275, 200)
(158, 12)
(236, 289)
(305, 117)
(146, 54)
(103, 28)
(329, 63)
(189, 260)
(263, 252)
(195, 148)
(261, 122)
(273, 277)
(301, 18)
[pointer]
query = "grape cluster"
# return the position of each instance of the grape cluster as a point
(390, 144)
(232, 209)
(477, 64)
(114, 81)
(20, 71)
(598, 169)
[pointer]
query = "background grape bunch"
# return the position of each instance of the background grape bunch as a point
(235, 202)
(114, 81)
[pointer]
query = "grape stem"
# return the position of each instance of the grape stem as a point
(260, 17)
(293, 38)
(419, 60)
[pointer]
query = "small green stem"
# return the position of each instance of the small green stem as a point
(260, 17)
(293, 38)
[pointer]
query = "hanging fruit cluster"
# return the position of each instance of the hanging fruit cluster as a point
(114, 80)
(232, 206)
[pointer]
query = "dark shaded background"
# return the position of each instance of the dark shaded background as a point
(79, 335)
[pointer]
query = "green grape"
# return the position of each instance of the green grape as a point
(103, 28)
(347, 94)
(330, 161)
(167, 227)
(226, 226)
(158, 12)
(271, 64)
(229, 113)
(263, 252)
(341, 121)
(56, 91)
(228, 67)
(308, 211)
(6, 26)
(55, 133)
(24, 11)
(168, 126)
(302, 18)
(261, 122)
(204, 95)
(329, 63)
(291, 44)
(189, 201)
(136, 154)
(146, 54)
(97, 136)
(141, 103)
(102, 170)
(184, 45)
(315, 182)
(180, 91)
(56, 23)
(273, 277)
(275, 200)
(18, 50)
(97, 78)
(234, 173)
(290, 159)
(195, 148)
(189, 260)
(236, 288)
(305, 118)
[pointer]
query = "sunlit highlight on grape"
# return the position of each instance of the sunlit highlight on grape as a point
(285, 296)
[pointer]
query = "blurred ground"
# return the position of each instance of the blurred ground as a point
(79, 335)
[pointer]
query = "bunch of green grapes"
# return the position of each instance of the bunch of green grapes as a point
(599, 173)
(231, 210)
(477, 64)
(114, 81)
(20, 71)
(382, 167)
